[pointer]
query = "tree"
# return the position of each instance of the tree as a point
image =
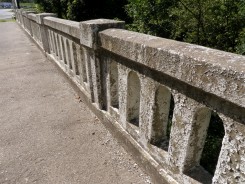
(84, 9)
(213, 23)
(75, 10)
(151, 16)
(55, 6)
(217, 24)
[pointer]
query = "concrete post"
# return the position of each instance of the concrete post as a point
(43, 30)
(27, 24)
(89, 39)
(21, 17)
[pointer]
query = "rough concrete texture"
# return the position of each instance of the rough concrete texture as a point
(47, 134)
(89, 30)
(40, 17)
(231, 166)
(32, 16)
(89, 38)
(65, 26)
(191, 115)
(199, 80)
(217, 72)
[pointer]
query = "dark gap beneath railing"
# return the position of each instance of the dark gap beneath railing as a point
(213, 144)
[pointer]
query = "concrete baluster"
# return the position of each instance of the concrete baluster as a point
(28, 21)
(52, 42)
(51, 47)
(147, 107)
(74, 55)
(55, 45)
(83, 66)
(90, 40)
(182, 124)
(231, 164)
(22, 18)
(44, 30)
(89, 73)
(123, 72)
(30, 17)
(61, 48)
(69, 53)
(33, 21)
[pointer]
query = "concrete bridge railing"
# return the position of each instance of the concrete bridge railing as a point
(158, 96)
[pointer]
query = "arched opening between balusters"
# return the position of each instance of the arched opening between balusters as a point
(162, 118)
(114, 84)
(133, 99)
(204, 145)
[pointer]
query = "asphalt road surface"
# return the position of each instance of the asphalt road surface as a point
(6, 14)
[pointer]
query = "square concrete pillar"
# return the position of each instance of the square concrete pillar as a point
(89, 39)
(27, 23)
(44, 30)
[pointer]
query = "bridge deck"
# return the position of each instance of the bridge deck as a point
(47, 134)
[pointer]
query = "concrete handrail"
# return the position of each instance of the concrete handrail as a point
(66, 26)
(210, 70)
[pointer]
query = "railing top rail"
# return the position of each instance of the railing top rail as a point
(65, 26)
(32, 16)
(26, 13)
(217, 72)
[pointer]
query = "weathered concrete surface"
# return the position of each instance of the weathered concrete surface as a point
(66, 26)
(220, 73)
(47, 135)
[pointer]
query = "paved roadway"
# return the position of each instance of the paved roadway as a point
(6, 14)
(47, 135)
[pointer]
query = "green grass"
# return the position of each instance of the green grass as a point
(7, 20)
(28, 6)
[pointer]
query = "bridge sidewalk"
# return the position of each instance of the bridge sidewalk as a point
(47, 135)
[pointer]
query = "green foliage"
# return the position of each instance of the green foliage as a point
(240, 48)
(55, 6)
(213, 144)
(215, 23)
(7, 1)
(75, 10)
(84, 9)
(7, 20)
(28, 6)
(151, 16)
(218, 24)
